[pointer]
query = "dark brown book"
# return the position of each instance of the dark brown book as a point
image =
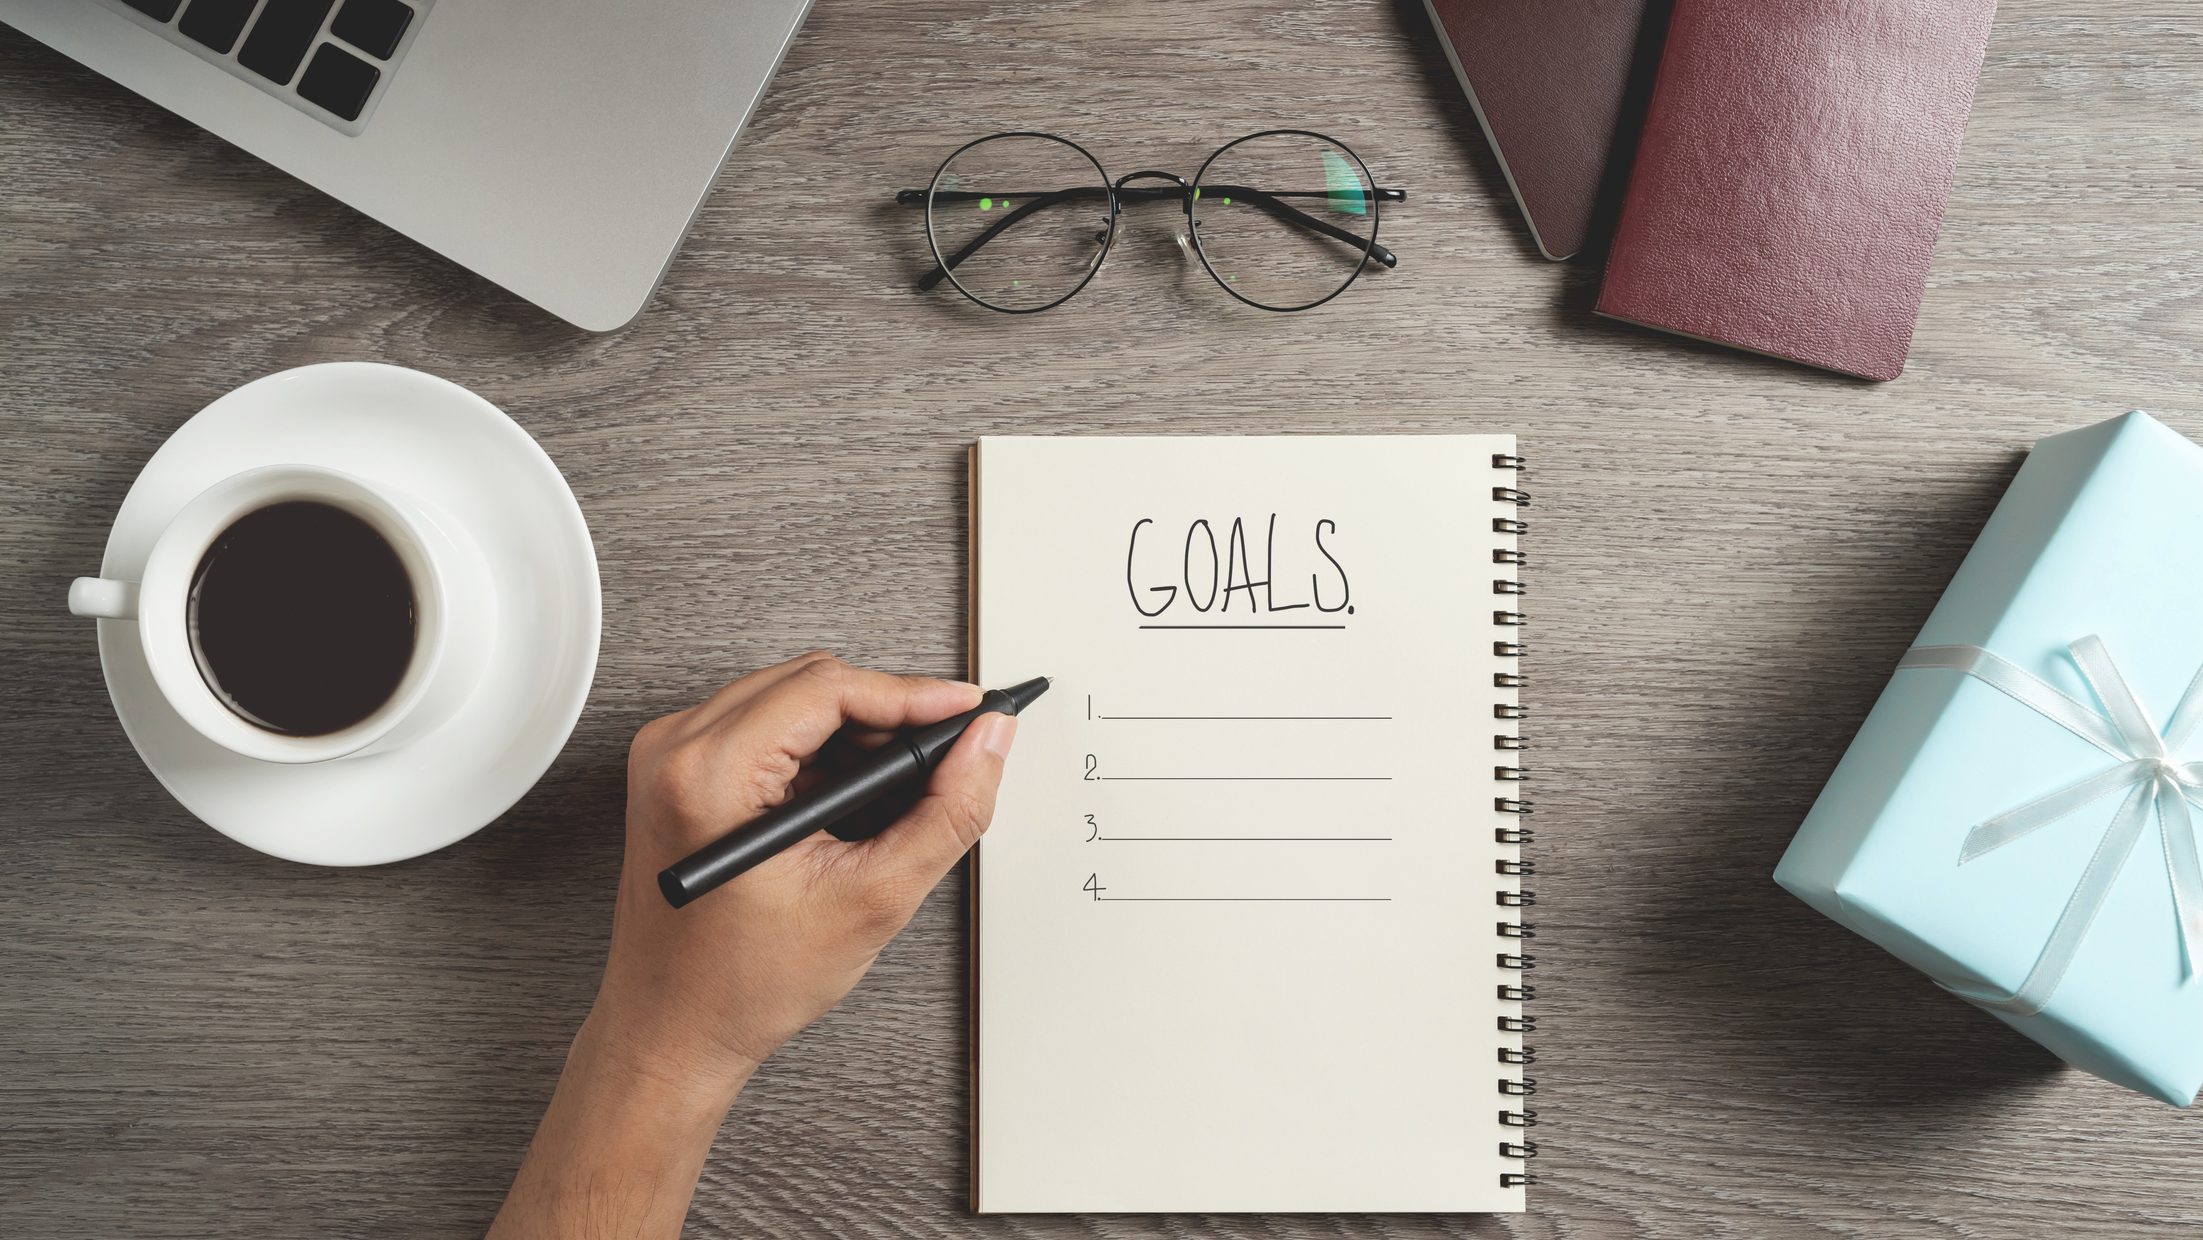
(1790, 180)
(1549, 81)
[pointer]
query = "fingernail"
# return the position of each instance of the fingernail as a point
(997, 732)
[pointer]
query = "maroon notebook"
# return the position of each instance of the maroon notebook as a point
(1792, 172)
(1549, 82)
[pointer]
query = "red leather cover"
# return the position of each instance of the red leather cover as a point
(1549, 80)
(1791, 177)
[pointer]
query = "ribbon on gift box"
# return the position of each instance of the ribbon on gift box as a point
(2146, 772)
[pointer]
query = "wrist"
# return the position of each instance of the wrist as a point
(693, 1085)
(620, 1146)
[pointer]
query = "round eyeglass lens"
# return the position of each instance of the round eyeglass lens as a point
(1285, 220)
(1019, 221)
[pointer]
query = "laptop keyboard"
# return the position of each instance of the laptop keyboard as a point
(329, 58)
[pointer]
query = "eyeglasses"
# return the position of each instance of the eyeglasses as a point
(1284, 219)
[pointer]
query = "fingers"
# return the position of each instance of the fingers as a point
(746, 750)
(864, 740)
(956, 809)
(802, 711)
(735, 693)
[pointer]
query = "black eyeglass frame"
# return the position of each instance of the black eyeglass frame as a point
(1185, 191)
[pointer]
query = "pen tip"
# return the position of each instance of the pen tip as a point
(1023, 695)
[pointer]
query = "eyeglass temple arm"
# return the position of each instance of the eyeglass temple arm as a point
(1294, 215)
(1034, 202)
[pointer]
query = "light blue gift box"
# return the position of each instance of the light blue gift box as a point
(2100, 535)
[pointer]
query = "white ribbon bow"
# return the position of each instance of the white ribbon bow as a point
(2146, 772)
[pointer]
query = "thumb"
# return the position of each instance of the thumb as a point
(958, 804)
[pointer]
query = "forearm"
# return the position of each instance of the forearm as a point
(618, 1151)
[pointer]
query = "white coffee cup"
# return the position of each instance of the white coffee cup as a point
(454, 612)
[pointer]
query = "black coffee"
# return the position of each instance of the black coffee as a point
(302, 618)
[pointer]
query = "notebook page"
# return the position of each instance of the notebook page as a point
(1235, 922)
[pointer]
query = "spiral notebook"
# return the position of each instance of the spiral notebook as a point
(1248, 927)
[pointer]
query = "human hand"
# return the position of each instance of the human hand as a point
(706, 992)
(693, 999)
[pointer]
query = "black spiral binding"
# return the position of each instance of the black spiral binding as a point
(1508, 645)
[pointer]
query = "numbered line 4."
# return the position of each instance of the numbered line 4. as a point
(1098, 890)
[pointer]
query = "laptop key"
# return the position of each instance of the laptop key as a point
(216, 23)
(338, 80)
(373, 26)
(158, 10)
(279, 40)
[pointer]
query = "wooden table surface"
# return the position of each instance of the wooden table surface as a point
(1728, 555)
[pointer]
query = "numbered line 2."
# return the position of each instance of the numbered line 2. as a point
(1253, 779)
(1092, 775)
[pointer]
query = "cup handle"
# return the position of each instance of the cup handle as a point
(103, 599)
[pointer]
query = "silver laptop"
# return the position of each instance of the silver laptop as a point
(557, 147)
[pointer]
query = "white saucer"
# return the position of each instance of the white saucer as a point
(431, 439)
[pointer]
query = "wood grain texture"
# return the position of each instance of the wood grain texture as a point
(1729, 553)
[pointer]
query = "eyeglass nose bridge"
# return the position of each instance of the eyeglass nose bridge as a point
(1180, 188)
(1183, 188)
